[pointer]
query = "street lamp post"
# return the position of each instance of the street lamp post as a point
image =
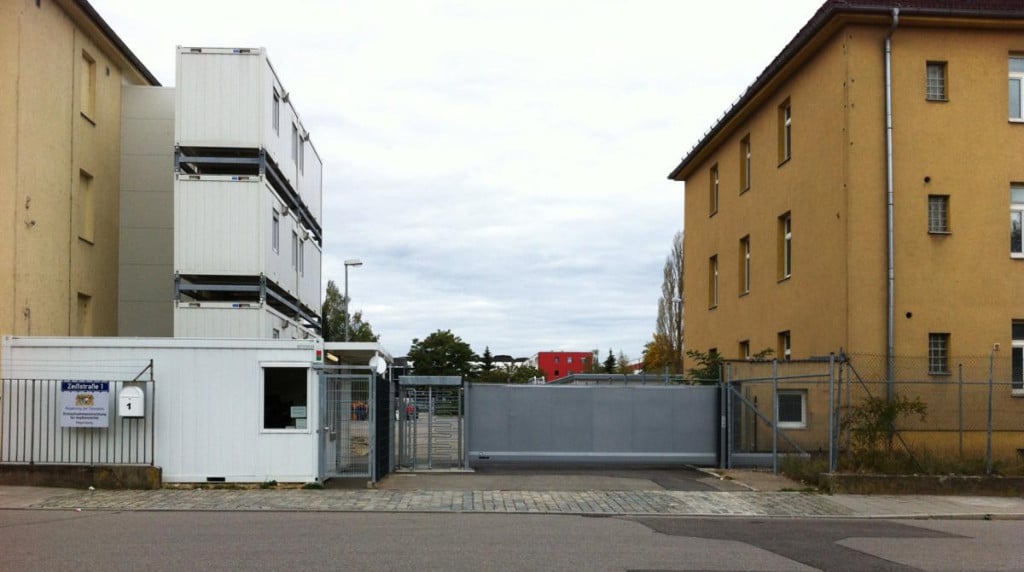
(349, 262)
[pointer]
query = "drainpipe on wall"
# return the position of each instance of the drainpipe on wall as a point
(891, 349)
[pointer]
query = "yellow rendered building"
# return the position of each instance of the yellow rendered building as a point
(855, 198)
(62, 70)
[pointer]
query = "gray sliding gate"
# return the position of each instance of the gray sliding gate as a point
(595, 424)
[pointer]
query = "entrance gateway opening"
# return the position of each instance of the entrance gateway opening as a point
(429, 414)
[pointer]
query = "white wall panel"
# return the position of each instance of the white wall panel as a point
(218, 226)
(309, 285)
(225, 320)
(219, 98)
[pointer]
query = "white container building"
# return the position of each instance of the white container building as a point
(231, 98)
(221, 410)
(238, 320)
(247, 197)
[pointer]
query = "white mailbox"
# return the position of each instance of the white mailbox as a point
(131, 402)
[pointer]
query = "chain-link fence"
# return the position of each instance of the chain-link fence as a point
(868, 410)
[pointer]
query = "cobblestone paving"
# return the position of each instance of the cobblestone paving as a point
(591, 503)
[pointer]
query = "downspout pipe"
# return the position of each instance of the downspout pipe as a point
(891, 334)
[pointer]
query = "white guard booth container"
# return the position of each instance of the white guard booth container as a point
(232, 97)
(231, 410)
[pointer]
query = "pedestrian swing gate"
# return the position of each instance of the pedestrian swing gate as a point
(354, 406)
(429, 415)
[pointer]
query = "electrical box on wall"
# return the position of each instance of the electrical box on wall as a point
(131, 402)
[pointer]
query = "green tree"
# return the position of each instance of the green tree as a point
(524, 373)
(659, 354)
(709, 366)
(668, 334)
(334, 315)
(623, 363)
(442, 353)
(609, 362)
(487, 360)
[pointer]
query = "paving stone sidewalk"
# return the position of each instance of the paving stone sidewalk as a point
(527, 502)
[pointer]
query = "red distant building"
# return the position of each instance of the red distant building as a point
(556, 365)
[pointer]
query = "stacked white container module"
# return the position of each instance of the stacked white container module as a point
(247, 201)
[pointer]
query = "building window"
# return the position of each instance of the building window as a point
(938, 213)
(284, 397)
(86, 208)
(88, 86)
(276, 113)
(792, 412)
(84, 323)
(568, 359)
(938, 353)
(785, 132)
(295, 249)
(785, 246)
(275, 333)
(745, 265)
(935, 87)
(785, 346)
(714, 190)
(745, 349)
(713, 281)
(1016, 80)
(295, 143)
(745, 164)
(1016, 216)
(302, 258)
(1017, 353)
(302, 156)
(275, 231)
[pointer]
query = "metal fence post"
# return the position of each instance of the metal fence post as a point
(991, 375)
(775, 416)
(728, 416)
(832, 413)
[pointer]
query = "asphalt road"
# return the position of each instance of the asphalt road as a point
(52, 540)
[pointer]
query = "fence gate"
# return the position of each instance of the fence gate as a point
(347, 433)
(429, 412)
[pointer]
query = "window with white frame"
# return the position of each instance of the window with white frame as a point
(792, 412)
(713, 281)
(745, 265)
(1017, 356)
(785, 246)
(1016, 84)
(785, 131)
(938, 214)
(295, 143)
(277, 112)
(295, 249)
(713, 199)
(302, 257)
(938, 353)
(745, 349)
(285, 403)
(785, 346)
(1016, 220)
(935, 81)
(745, 164)
(275, 231)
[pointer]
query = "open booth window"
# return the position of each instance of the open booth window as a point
(285, 397)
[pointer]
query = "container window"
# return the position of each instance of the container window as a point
(284, 398)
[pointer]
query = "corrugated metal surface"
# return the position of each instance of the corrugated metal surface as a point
(220, 99)
(222, 226)
(208, 399)
(228, 320)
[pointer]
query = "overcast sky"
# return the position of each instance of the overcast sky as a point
(499, 167)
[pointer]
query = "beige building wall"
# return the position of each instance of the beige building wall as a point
(963, 283)
(60, 126)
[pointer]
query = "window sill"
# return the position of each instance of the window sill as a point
(295, 431)
(787, 425)
(1016, 120)
(87, 118)
(936, 100)
(1017, 393)
(940, 373)
(1017, 255)
(940, 232)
